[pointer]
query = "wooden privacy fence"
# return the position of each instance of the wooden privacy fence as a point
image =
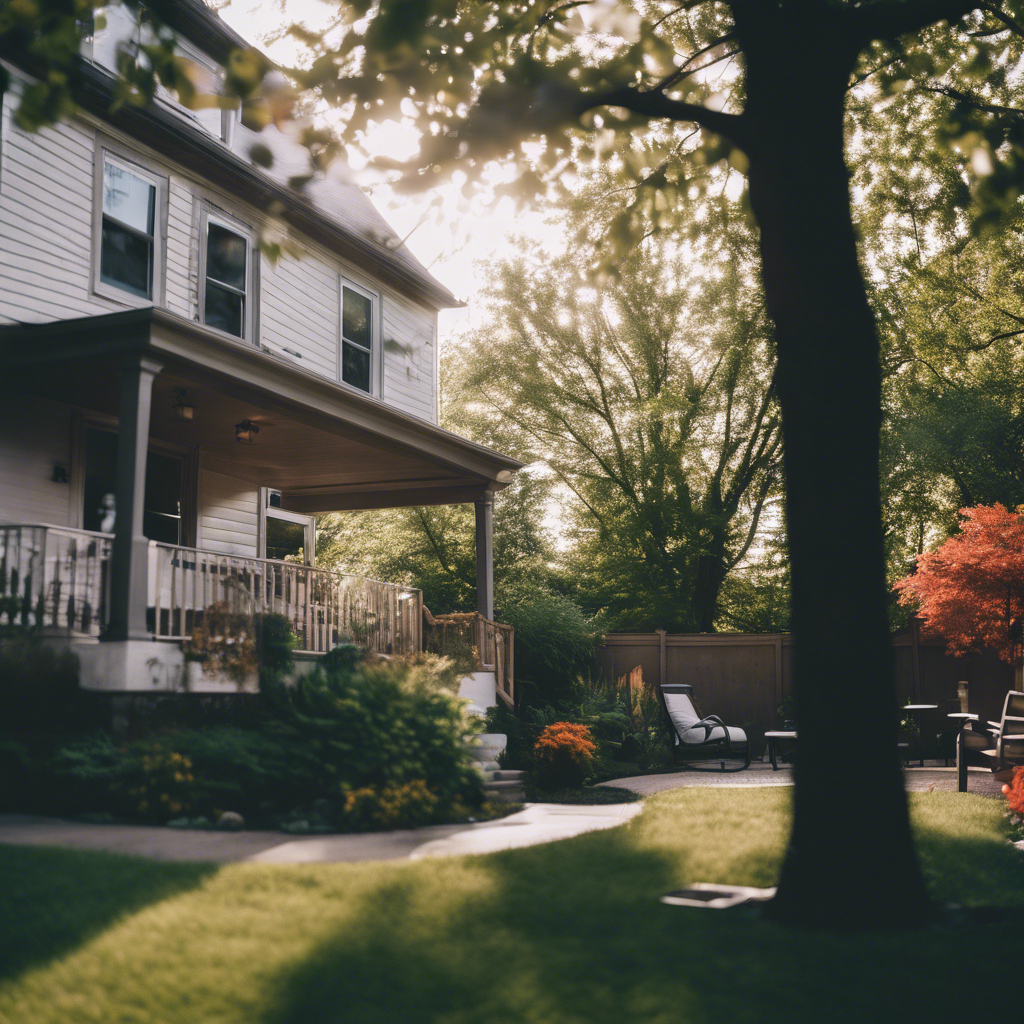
(744, 677)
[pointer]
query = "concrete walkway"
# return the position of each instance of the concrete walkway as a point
(536, 823)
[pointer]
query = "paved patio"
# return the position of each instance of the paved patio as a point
(933, 777)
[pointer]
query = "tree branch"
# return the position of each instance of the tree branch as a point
(887, 20)
(657, 105)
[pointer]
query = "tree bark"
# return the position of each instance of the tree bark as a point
(851, 860)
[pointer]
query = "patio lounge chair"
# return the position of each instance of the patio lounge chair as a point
(703, 739)
(1008, 734)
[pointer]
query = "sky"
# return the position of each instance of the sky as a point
(453, 239)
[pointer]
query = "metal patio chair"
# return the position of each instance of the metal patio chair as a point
(700, 739)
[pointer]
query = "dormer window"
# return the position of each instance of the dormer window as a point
(226, 299)
(128, 241)
(357, 330)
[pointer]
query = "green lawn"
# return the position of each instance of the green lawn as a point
(569, 933)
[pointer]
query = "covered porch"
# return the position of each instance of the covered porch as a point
(247, 445)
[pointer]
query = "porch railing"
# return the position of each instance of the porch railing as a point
(323, 607)
(491, 645)
(54, 578)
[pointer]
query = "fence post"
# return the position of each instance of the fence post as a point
(662, 659)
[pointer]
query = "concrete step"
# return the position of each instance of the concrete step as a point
(510, 791)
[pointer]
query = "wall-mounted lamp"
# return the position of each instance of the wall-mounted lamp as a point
(246, 431)
(182, 407)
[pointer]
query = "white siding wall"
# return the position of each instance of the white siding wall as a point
(46, 258)
(182, 249)
(33, 436)
(228, 514)
(409, 358)
(299, 301)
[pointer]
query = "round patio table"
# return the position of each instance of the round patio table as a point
(913, 708)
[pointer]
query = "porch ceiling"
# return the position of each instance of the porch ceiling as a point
(325, 446)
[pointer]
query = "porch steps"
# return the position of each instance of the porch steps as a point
(502, 784)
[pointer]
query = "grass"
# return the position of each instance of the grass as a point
(569, 933)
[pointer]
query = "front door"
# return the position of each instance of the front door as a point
(161, 516)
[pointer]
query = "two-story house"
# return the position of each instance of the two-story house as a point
(176, 408)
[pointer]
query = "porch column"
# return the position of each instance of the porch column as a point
(129, 572)
(485, 556)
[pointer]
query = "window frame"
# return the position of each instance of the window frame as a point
(250, 320)
(346, 281)
(108, 151)
(268, 511)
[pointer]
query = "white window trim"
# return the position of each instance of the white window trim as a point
(107, 150)
(376, 362)
(273, 512)
(208, 213)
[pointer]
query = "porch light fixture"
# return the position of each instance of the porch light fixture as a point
(246, 431)
(182, 407)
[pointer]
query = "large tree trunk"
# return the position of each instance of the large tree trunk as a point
(851, 860)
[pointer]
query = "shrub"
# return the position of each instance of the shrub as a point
(391, 806)
(555, 641)
(39, 694)
(564, 753)
(384, 722)
(1014, 793)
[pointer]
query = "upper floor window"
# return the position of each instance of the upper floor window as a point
(357, 331)
(128, 233)
(129, 212)
(226, 299)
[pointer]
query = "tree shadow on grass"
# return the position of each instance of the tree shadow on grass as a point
(575, 933)
(54, 900)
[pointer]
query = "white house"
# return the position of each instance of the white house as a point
(175, 408)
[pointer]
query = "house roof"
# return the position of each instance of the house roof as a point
(331, 211)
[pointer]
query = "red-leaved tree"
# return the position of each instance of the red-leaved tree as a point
(971, 589)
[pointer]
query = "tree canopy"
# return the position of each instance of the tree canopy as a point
(651, 402)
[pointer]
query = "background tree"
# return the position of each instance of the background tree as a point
(971, 589)
(650, 401)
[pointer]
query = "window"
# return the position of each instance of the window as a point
(128, 229)
(287, 536)
(357, 330)
(226, 279)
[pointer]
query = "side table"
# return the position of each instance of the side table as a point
(774, 735)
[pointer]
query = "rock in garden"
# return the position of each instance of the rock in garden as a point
(230, 821)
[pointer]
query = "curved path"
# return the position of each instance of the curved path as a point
(534, 824)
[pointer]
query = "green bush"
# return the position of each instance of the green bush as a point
(384, 722)
(390, 731)
(555, 641)
(39, 695)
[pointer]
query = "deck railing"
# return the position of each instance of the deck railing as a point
(491, 645)
(323, 607)
(54, 578)
(59, 579)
